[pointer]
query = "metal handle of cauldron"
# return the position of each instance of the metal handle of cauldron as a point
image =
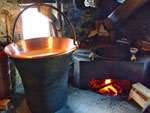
(47, 5)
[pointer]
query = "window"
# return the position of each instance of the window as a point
(35, 24)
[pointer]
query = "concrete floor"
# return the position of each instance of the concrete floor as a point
(86, 101)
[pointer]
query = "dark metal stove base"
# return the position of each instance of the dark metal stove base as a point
(136, 71)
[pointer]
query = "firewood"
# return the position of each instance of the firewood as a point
(106, 85)
(118, 88)
(111, 91)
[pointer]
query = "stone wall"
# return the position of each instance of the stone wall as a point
(13, 9)
(85, 16)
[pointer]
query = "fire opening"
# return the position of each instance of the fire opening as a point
(112, 87)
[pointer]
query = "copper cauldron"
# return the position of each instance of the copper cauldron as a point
(43, 65)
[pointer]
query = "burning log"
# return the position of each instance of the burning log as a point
(106, 89)
(97, 84)
(119, 89)
(112, 92)
(108, 86)
(109, 90)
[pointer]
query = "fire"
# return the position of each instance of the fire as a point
(108, 86)
(107, 81)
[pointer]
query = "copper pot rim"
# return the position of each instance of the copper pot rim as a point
(43, 56)
(37, 57)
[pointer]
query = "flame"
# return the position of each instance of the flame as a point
(107, 81)
(107, 86)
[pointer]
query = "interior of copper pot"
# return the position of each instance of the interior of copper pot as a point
(40, 47)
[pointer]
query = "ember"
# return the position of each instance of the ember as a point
(109, 86)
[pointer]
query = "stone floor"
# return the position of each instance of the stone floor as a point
(86, 101)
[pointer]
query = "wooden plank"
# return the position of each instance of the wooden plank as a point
(138, 99)
(142, 89)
